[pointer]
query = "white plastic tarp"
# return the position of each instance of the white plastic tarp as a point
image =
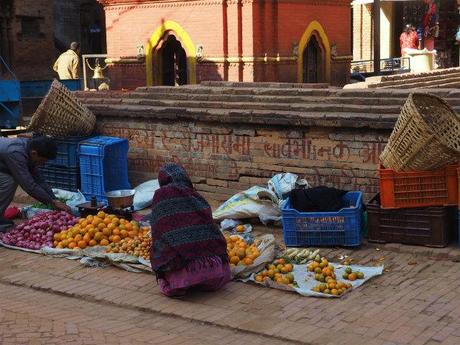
(306, 280)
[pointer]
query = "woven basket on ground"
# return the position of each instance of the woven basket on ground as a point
(426, 135)
(61, 114)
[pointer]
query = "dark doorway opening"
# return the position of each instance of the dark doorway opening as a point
(173, 62)
(92, 28)
(312, 62)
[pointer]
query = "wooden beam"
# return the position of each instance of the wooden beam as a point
(376, 15)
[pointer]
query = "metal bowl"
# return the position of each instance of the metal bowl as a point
(120, 199)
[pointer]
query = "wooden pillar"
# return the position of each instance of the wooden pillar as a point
(376, 15)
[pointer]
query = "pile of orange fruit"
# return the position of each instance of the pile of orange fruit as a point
(325, 274)
(279, 271)
(98, 230)
(239, 252)
(322, 269)
(137, 246)
(332, 287)
(350, 275)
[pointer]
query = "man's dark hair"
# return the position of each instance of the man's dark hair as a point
(74, 46)
(44, 146)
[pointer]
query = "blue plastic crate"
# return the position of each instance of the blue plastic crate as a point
(103, 166)
(62, 178)
(342, 228)
(67, 154)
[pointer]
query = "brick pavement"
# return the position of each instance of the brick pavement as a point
(414, 302)
(33, 317)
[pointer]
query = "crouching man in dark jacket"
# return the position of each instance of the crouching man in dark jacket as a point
(19, 159)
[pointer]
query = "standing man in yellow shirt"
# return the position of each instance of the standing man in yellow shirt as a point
(67, 63)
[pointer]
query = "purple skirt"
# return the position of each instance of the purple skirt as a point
(206, 277)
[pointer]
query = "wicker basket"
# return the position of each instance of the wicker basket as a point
(61, 114)
(426, 136)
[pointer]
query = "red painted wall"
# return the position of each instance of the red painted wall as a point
(231, 28)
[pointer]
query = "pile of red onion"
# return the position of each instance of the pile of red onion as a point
(38, 232)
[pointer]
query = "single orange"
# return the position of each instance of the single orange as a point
(234, 260)
(248, 261)
(87, 237)
(116, 238)
(72, 245)
(104, 242)
(352, 276)
(92, 243)
(124, 233)
(98, 236)
(241, 253)
(82, 244)
(107, 232)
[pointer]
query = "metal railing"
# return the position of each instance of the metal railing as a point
(387, 66)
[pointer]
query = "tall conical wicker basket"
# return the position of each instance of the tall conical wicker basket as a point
(61, 114)
(426, 135)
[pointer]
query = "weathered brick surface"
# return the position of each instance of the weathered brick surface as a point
(230, 137)
(32, 56)
(414, 302)
(225, 162)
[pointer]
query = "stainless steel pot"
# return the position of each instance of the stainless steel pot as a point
(120, 199)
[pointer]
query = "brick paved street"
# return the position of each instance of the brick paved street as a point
(58, 301)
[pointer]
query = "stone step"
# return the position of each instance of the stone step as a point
(356, 93)
(265, 85)
(300, 107)
(273, 99)
(452, 84)
(196, 89)
(408, 76)
(425, 84)
(256, 117)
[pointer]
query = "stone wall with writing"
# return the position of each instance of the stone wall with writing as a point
(223, 160)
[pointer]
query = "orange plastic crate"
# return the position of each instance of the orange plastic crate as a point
(419, 188)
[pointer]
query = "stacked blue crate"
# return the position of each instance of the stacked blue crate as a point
(64, 171)
(341, 228)
(103, 166)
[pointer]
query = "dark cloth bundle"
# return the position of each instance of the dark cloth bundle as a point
(182, 225)
(317, 199)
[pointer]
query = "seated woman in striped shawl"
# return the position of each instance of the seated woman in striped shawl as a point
(188, 250)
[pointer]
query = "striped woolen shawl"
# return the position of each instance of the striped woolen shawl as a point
(182, 225)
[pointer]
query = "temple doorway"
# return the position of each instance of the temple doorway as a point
(312, 62)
